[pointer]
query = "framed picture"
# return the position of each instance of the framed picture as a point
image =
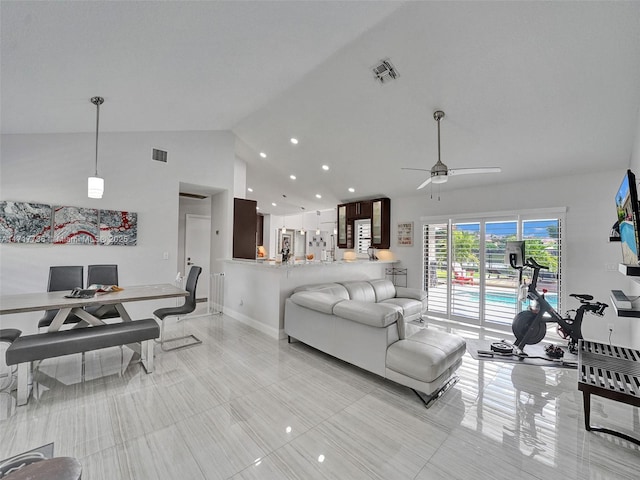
(75, 225)
(22, 222)
(405, 234)
(286, 243)
(118, 228)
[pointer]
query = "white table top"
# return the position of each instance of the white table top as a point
(30, 302)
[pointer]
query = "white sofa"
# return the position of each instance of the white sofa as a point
(365, 323)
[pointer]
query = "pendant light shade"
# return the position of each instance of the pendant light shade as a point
(96, 184)
(96, 187)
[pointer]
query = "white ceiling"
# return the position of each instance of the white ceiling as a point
(536, 88)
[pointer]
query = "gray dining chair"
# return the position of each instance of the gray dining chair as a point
(62, 278)
(189, 306)
(102, 275)
(7, 372)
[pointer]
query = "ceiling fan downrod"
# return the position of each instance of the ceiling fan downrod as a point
(439, 171)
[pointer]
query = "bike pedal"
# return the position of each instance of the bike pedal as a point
(554, 351)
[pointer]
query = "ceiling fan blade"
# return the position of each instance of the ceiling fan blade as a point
(465, 171)
(418, 169)
(424, 184)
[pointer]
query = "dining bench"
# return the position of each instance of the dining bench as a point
(28, 348)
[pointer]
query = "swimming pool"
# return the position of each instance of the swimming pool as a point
(509, 299)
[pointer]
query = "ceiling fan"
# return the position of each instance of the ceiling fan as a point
(440, 173)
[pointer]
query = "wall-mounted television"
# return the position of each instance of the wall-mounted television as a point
(628, 217)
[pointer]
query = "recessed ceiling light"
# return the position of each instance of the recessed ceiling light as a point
(292, 177)
(318, 195)
(257, 208)
(294, 140)
(325, 167)
(250, 189)
(351, 189)
(274, 204)
(263, 155)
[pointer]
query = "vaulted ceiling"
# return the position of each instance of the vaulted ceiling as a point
(536, 88)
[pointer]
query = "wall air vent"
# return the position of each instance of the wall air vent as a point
(159, 155)
(385, 72)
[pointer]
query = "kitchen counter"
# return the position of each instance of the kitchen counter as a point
(256, 290)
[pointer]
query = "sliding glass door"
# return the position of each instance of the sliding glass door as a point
(465, 273)
(500, 280)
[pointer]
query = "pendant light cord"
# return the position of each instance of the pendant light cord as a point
(97, 101)
(97, 125)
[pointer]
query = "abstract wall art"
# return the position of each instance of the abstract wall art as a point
(22, 222)
(75, 225)
(118, 228)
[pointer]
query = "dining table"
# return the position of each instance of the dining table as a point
(33, 302)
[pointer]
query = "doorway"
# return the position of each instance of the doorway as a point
(197, 248)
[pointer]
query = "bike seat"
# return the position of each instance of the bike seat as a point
(582, 296)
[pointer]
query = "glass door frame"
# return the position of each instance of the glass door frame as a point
(518, 217)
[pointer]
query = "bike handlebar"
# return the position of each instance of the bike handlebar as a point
(533, 264)
(596, 308)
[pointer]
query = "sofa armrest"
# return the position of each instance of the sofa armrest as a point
(414, 293)
(367, 313)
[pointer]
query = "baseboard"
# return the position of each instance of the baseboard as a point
(276, 333)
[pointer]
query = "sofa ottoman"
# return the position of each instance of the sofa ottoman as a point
(425, 360)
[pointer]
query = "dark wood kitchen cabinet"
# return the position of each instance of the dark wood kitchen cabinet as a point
(378, 210)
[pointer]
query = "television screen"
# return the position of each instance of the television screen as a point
(627, 210)
(514, 253)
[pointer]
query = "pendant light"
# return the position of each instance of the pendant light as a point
(96, 184)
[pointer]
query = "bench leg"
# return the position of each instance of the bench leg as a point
(24, 372)
(146, 355)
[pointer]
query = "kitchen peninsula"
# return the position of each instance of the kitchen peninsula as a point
(255, 291)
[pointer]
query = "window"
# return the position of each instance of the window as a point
(464, 269)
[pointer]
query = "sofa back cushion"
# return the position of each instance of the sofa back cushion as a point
(360, 291)
(330, 288)
(318, 301)
(383, 288)
(373, 314)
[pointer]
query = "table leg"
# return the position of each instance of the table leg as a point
(123, 313)
(86, 316)
(24, 376)
(586, 400)
(59, 319)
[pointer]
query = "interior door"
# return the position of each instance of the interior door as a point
(197, 248)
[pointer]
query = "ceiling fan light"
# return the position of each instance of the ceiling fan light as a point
(439, 178)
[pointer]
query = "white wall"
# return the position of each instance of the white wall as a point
(589, 199)
(53, 169)
(240, 178)
(633, 286)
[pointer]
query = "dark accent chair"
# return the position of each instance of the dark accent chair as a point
(60, 279)
(102, 275)
(188, 307)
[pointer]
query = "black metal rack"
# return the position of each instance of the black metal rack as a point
(398, 276)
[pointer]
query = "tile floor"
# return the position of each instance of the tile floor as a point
(246, 406)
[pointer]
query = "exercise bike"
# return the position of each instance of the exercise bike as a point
(530, 326)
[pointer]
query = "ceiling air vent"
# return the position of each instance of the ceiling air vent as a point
(159, 155)
(385, 72)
